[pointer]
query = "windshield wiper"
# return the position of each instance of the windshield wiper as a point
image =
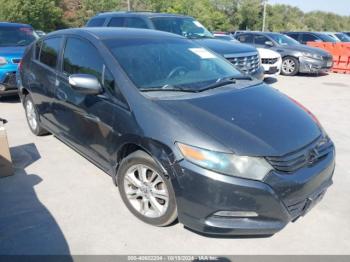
(166, 88)
(225, 81)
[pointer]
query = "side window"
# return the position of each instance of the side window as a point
(135, 22)
(49, 51)
(308, 38)
(116, 22)
(245, 38)
(96, 22)
(294, 36)
(89, 63)
(260, 40)
(37, 50)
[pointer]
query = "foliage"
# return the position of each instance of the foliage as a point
(215, 14)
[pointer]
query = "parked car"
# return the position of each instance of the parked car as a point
(338, 36)
(244, 57)
(270, 60)
(304, 37)
(182, 132)
(347, 33)
(14, 38)
(296, 58)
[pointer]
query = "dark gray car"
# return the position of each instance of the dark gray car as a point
(243, 57)
(296, 58)
(181, 131)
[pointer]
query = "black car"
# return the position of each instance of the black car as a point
(182, 132)
(296, 58)
(244, 57)
(304, 37)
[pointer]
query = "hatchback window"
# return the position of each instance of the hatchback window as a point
(116, 22)
(96, 22)
(89, 63)
(49, 51)
(159, 63)
(135, 22)
(16, 36)
(245, 39)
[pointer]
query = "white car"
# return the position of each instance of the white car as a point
(271, 61)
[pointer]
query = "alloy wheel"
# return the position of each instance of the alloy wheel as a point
(31, 115)
(288, 66)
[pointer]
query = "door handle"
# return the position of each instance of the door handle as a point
(92, 117)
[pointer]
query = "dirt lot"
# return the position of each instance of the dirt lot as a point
(59, 203)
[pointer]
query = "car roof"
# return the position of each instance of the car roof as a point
(140, 13)
(14, 24)
(103, 33)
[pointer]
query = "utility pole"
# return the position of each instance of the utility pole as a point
(129, 5)
(264, 15)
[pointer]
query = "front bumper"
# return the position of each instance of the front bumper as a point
(8, 85)
(311, 65)
(272, 69)
(277, 200)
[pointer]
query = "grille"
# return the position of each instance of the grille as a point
(10, 80)
(247, 64)
(16, 60)
(269, 61)
(307, 156)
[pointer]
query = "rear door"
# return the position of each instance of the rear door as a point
(44, 68)
(86, 120)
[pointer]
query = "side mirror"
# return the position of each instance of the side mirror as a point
(269, 43)
(85, 84)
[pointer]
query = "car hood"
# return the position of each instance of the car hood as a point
(305, 48)
(225, 48)
(12, 51)
(254, 121)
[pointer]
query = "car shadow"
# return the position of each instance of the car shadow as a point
(270, 80)
(26, 226)
(10, 99)
(313, 74)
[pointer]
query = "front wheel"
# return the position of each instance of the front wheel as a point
(145, 190)
(33, 117)
(290, 66)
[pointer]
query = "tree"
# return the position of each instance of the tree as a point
(41, 14)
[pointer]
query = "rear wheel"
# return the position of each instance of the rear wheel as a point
(145, 190)
(33, 117)
(290, 66)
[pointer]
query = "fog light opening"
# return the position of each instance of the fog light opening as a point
(236, 214)
(2, 87)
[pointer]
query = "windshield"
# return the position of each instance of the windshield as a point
(16, 36)
(327, 38)
(283, 39)
(184, 26)
(169, 63)
(343, 37)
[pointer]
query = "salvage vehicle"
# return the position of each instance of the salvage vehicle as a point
(304, 37)
(296, 58)
(180, 130)
(14, 38)
(244, 57)
(270, 60)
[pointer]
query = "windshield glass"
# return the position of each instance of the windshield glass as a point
(184, 26)
(169, 63)
(327, 38)
(283, 39)
(16, 36)
(343, 37)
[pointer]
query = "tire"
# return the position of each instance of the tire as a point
(290, 66)
(33, 117)
(138, 191)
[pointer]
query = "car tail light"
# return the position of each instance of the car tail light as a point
(20, 65)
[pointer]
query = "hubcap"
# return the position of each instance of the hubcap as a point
(288, 66)
(31, 115)
(146, 191)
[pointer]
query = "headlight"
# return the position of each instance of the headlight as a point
(230, 164)
(3, 61)
(314, 56)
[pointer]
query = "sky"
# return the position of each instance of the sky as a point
(341, 7)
